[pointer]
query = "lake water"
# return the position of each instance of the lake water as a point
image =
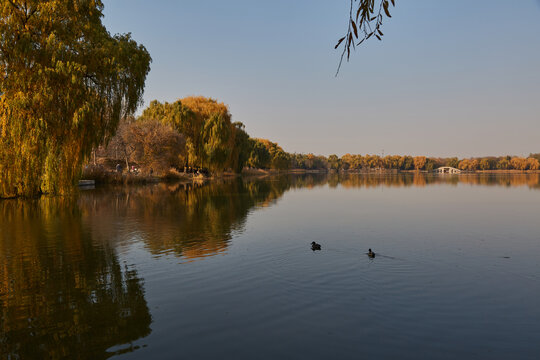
(225, 270)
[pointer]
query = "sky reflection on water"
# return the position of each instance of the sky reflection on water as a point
(225, 269)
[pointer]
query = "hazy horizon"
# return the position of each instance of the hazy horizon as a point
(443, 82)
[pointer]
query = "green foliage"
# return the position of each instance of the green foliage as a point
(487, 163)
(183, 119)
(65, 84)
(206, 124)
(260, 156)
(333, 162)
(212, 140)
(430, 164)
(242, 147)
(393, 162)
(308, 162)
(216, 136)
(503, 164)
(408, 163)
(453, 162)
(356, 162)
(278, 158)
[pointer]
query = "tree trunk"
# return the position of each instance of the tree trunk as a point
(127, 163)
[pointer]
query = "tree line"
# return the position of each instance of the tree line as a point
(406, 162)
(198, 132)
(69, 87)
(193, 132)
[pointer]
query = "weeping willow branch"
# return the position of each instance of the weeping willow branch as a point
(365, 21)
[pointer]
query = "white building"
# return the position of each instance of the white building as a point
(447, 170)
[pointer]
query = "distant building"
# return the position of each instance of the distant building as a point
(447, 170)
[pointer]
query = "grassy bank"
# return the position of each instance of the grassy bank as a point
(103, 176)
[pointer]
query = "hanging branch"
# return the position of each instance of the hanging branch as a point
(363, 24)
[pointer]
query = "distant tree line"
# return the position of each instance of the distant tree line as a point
(357, 162)
(406, 162)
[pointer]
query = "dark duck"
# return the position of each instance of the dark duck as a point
(371, 254)
(315, 246)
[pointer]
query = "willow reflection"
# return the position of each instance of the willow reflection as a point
(61, 294)
(189, 220)
(63, 289)
(199, 219)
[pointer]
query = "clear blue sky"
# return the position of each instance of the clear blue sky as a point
(449, 78)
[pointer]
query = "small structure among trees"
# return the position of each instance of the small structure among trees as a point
(447, 170)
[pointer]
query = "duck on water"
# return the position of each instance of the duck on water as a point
(315, 246)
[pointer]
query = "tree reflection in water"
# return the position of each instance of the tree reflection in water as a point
(62, 295)
(531, 180)
(63, 290)
(198, 219)
(190, 220)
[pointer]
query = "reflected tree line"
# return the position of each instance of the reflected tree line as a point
(62, 295)
(530, 180)
(64, 292)
(195, 220)
(191, 220)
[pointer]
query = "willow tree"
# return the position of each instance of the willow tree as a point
(419, 162)
(206, 124)
(217, 146)
(65, 82)
(277, 157)
(242, 147)
(208, 115)
(260, 156)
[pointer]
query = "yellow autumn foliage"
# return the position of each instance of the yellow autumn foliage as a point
(65, 82)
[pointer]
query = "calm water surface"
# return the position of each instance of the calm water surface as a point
(225, 270)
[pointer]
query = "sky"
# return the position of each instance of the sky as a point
(450, 78)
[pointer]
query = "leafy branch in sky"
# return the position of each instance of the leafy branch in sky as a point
(365, 21)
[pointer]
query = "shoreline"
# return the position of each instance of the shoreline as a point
(118, 179)
(131, 179)
(463, 172)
